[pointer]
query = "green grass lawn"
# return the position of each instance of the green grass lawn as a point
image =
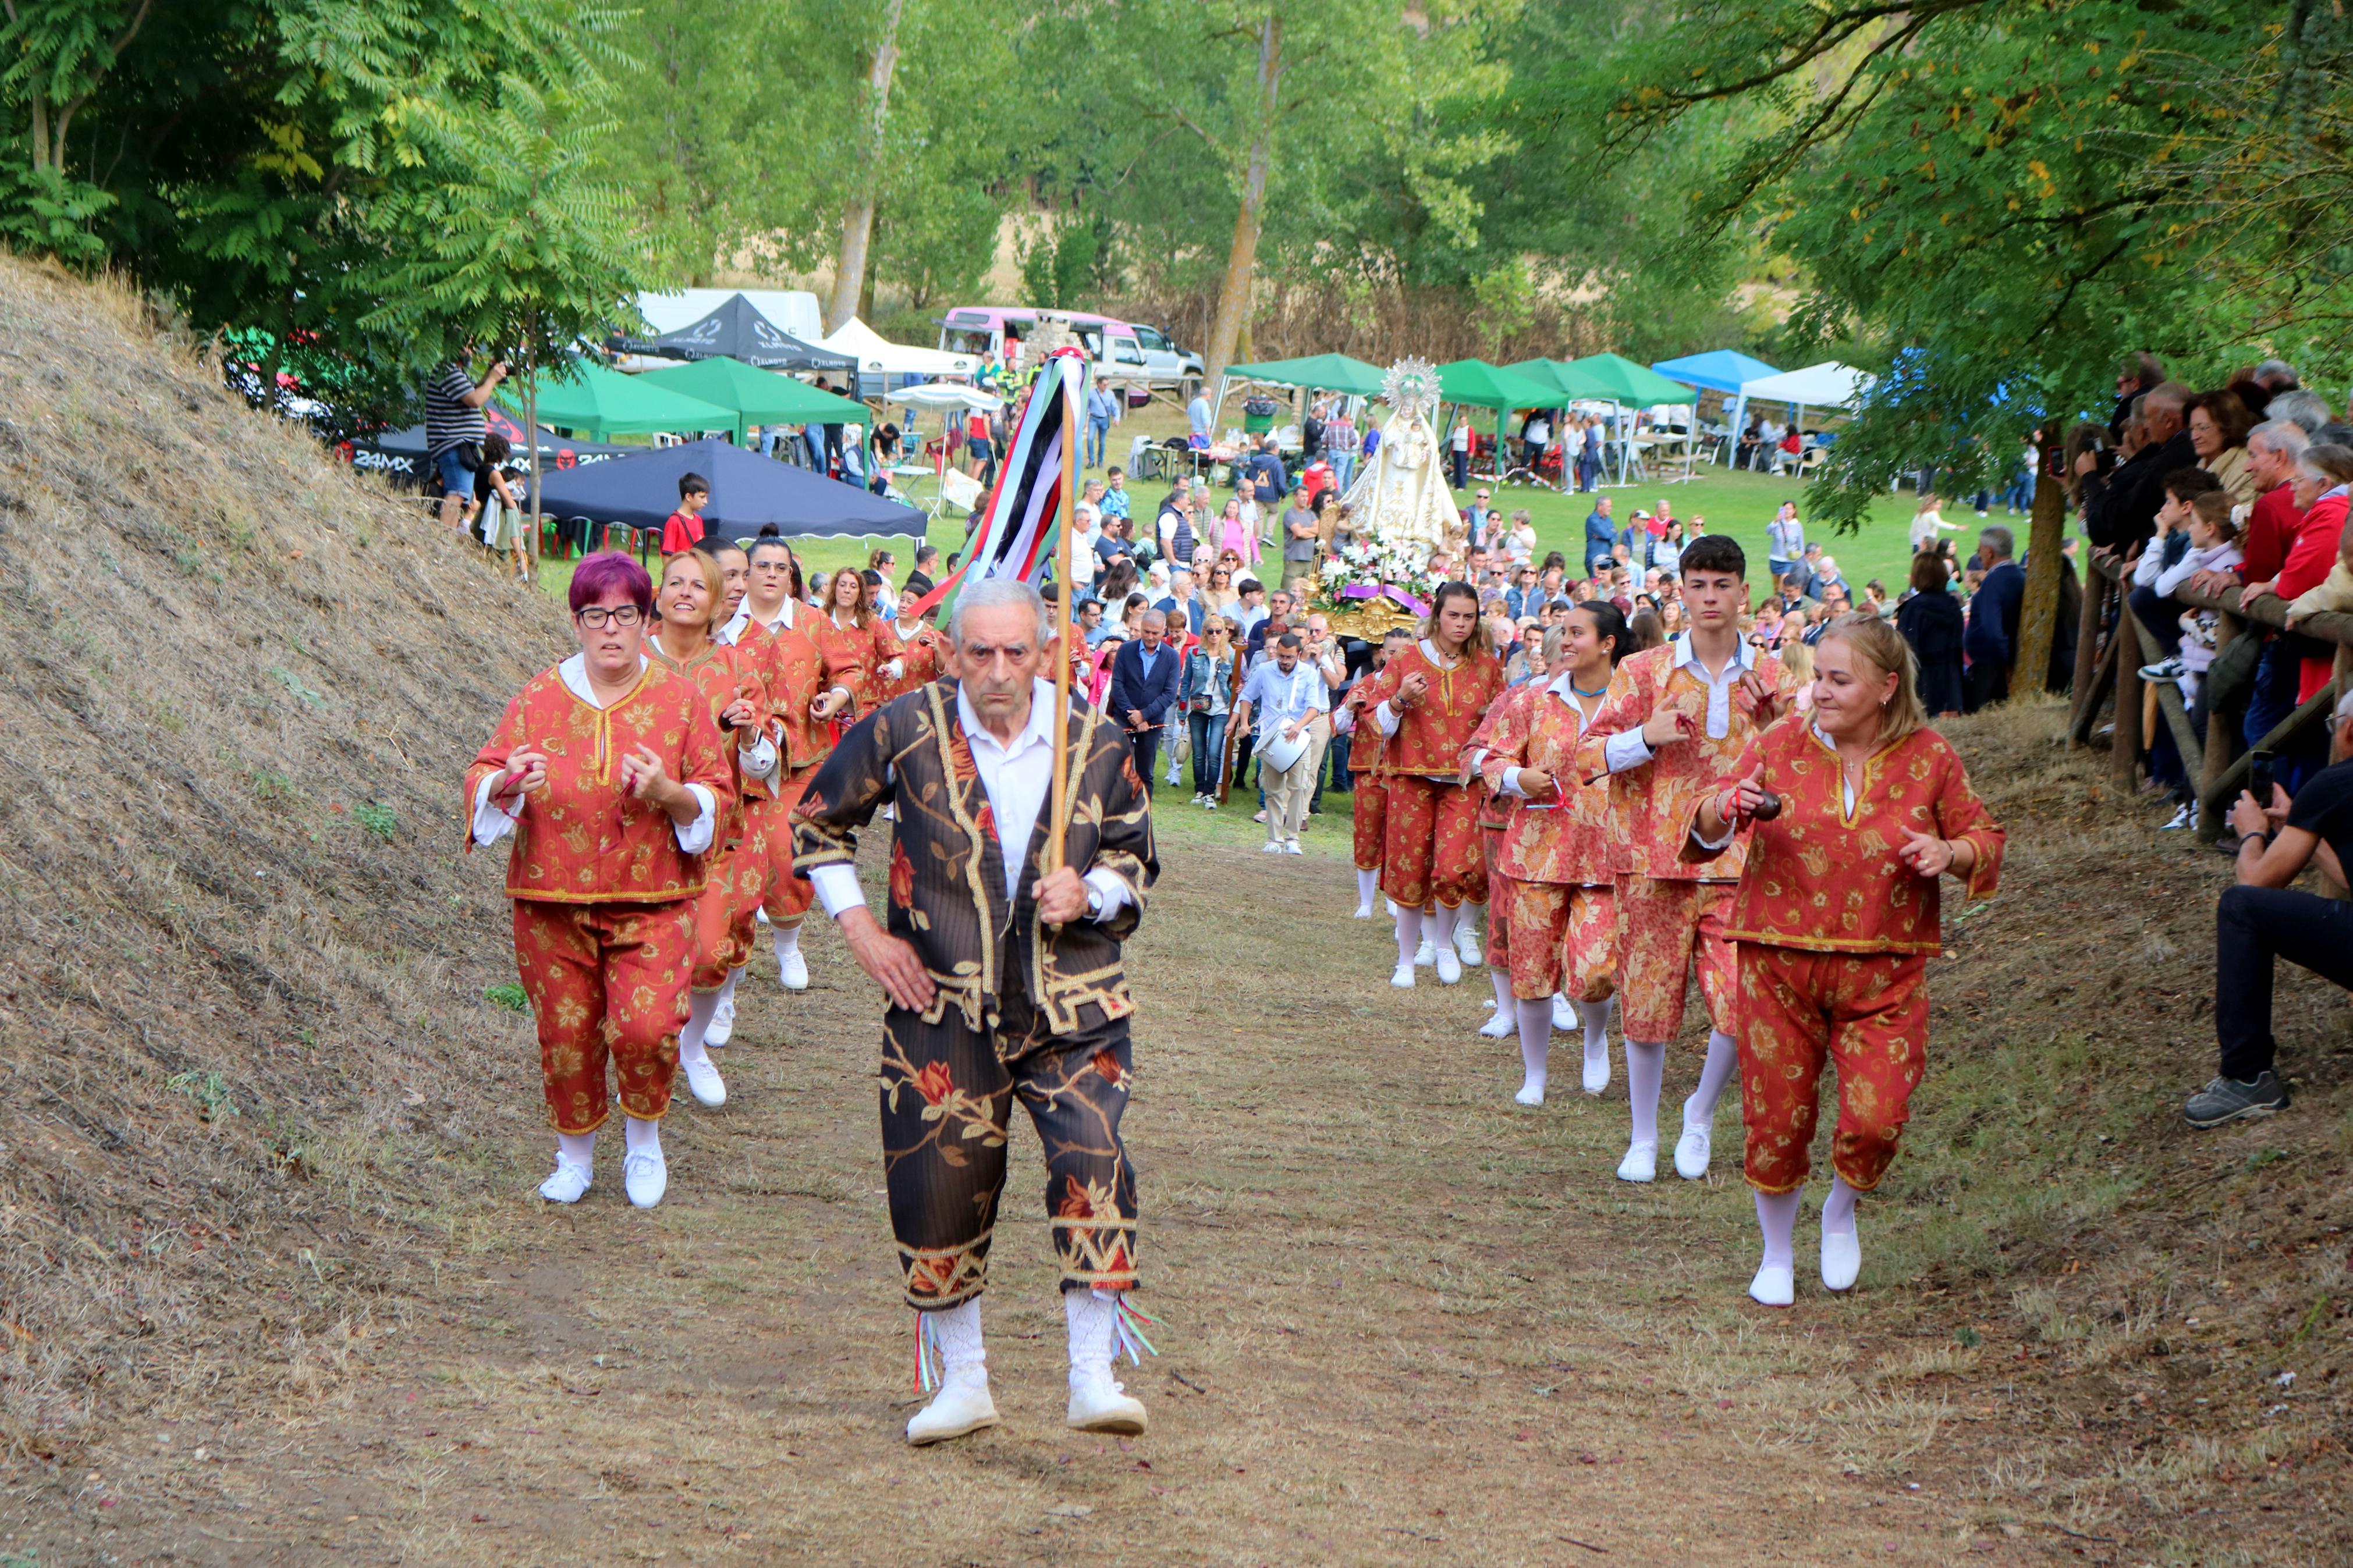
(1737, 503)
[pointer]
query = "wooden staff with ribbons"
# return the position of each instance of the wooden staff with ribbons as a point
(1058, 823)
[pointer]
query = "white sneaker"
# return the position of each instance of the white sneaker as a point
(722, 1027)
(1841, 1260)
(1641, 1163)
(1292, 848)
(1466, 944)
(792, 972)
(1530, 1094)
(1100, 1403)
(1271, 847)
(960, 1406)
(1403, 977)
(1364, 911)
(1563, 1015)
(1501, 1024)
(1425, 955)
(1692, 1150)
(645, 1177)
(569, 1184)
(1597, 1073)
(702, 1080)
(1774, 1286)
(1450, 967)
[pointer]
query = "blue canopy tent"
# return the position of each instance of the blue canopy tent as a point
(747, 491)
(1719, 370)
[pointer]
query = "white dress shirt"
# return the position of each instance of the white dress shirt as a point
(493, 822)
(1016, 776)
(1628, 749)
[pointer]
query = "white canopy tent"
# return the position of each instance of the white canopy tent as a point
(878, 356)
(935, 395)
(1828, 384)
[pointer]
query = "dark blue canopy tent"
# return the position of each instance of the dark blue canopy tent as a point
(747, 491)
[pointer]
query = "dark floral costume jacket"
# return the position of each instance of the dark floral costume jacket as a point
(948, 874)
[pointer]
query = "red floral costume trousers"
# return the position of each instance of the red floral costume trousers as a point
(1665, 930)
(947, 1097)
(733, 876)
(1372, 811)
(785, 896)
(607, 983)
(1429, 846)
(1564, 938)
(1868, 1013)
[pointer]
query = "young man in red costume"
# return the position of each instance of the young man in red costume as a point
(1677, 718)
(1834, 923)
(1427, 701)
(607, 770)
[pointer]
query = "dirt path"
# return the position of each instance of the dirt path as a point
(1406, 1323)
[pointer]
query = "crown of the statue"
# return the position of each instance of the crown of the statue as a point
(1410, 386)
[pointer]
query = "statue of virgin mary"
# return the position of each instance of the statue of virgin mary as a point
(1401, 499)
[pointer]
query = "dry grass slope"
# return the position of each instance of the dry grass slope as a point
(235, 1006)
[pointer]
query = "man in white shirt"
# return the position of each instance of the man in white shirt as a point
(1002, 967)
(1292, 705)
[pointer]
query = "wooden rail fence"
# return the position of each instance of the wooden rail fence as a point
(2111, 665)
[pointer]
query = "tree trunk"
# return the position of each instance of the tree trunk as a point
(1241, 259)
(857, 215)
(2047, 530)
(530, 445)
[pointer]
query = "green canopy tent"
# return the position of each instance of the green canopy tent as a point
(757, 396)
(1482, 385)
(602, 403)
(1333, 373)
(1613, 379)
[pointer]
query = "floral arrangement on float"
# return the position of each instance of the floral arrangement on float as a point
(1369, 586)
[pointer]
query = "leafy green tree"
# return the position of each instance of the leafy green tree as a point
(1999, 193)
(262, 162)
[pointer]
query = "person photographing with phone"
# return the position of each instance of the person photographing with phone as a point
(2260, 919)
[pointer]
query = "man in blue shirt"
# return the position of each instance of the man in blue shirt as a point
(1198, 417)
(1600, 533)
(1990, 641)
(1287, 698)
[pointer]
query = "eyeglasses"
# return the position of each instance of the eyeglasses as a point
(596, 618)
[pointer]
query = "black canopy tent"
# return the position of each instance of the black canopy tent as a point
(737, 330)
(747, 491)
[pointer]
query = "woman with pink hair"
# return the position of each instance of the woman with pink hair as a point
(607, 770)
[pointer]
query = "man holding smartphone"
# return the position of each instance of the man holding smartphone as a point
(2260, 920)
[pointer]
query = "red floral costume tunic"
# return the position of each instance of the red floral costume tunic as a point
(1554, 857)
(1505, 725)
(1669, 910)
(1430, 847)
(1833, 934)
(921, 658)
(604, 898)
(732, 870)
(853, 657)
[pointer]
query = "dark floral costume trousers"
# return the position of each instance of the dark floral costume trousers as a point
(947, 1096)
